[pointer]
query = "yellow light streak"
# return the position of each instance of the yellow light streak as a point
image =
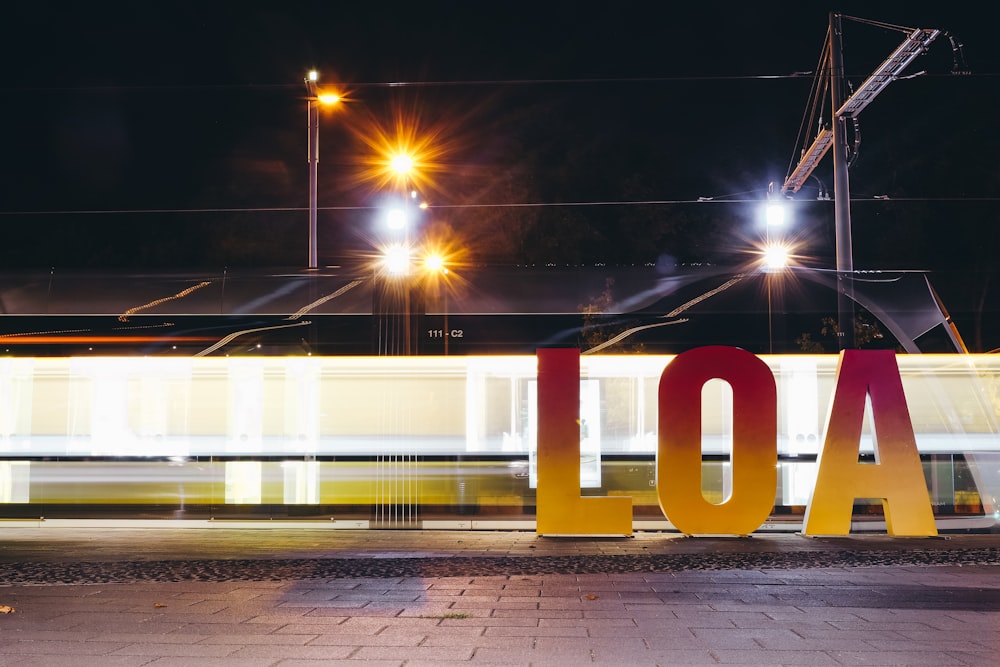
(152, 304)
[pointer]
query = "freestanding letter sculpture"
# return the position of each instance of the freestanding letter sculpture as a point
(896, 476)
(560, 509)
(755, 431)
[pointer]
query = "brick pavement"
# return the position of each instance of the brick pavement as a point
(946, 614)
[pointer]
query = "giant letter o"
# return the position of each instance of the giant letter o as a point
(755, 431)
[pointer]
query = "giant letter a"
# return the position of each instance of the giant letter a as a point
(896, 476)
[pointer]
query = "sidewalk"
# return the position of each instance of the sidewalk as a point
(288, 597)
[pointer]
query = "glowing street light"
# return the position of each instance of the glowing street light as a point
(397, 218)
(396, 260)
(776, 257)
(401, 163)
(435, 264)
(774, 214)
(775, 211)
(403, 167)
(328, 98)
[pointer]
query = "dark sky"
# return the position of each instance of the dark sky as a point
(165, 134)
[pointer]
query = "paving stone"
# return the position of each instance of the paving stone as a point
(419, 597)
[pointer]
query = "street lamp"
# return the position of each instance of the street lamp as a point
(313, 101)
(435, 264)
(775, 257)
(402, 164)
(774, 214)
(775, 210)
(396, 260)
(397, 218)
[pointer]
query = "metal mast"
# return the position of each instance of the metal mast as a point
(836, 136)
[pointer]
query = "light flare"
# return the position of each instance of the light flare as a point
(401, 164)
(396, 260)
(406, 154)
(435, 263)
(152, 304)
(775, 214)
(776, 257)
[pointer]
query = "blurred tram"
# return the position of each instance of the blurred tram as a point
(478, 469)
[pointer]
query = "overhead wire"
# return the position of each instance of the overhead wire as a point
(813, 115)
(61, 90)
(721, 199)
(879, 24)
(402, 84)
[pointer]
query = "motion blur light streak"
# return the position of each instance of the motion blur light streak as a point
(236, 334)
(31, 339)
(707, 295)
(136, 436)
(319, 302)
(152, 304)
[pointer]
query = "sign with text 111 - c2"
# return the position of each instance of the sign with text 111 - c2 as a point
(863, 376)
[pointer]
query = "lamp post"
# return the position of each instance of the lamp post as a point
(396, 261)
(775, 252)
(313, 101)
(388, 271)
(437, 270)
(775, 261)
(402, 165)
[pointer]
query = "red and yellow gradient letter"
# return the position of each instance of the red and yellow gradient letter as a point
(755, 431)
(560, 509)
(896, 477)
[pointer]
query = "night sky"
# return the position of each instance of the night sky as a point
(166, 135)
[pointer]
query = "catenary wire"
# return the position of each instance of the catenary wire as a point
(48, 90)
(648, 202)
